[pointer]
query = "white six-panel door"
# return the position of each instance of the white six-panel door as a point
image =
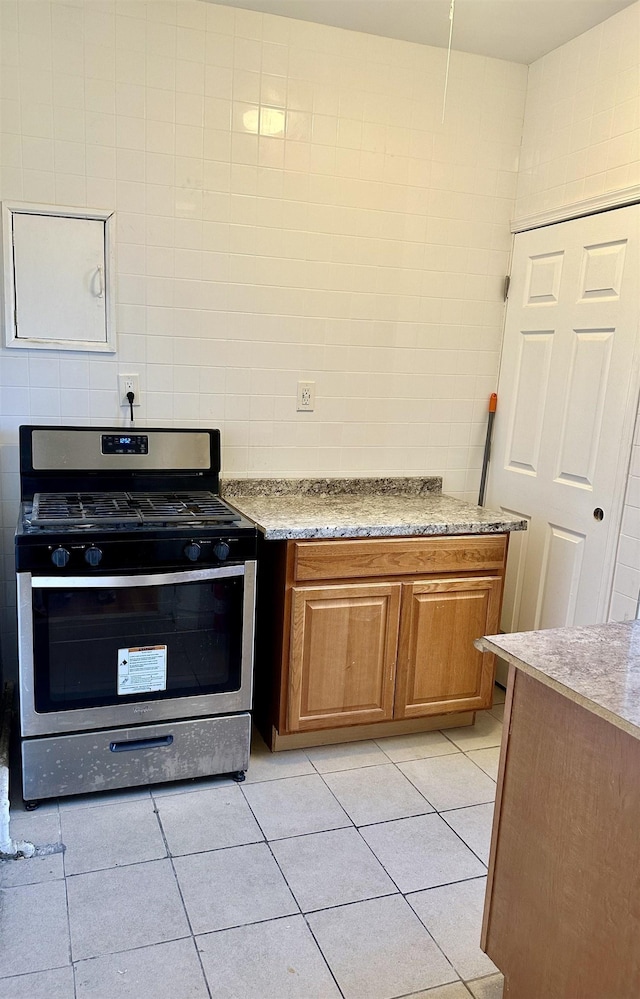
(567, 395)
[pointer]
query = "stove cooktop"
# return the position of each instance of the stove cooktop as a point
(163, 539)
(107, 500)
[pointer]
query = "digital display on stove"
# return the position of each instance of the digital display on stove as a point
(125, 444)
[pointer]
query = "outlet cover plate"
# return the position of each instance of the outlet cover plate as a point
(128, 383)
(306, 398)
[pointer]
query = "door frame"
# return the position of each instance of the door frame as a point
(578, 209)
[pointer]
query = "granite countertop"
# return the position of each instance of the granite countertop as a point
(597, 666)
(288, 509)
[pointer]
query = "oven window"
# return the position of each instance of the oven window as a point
(79, 635)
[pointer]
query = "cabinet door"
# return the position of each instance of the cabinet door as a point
(343, 654)
(439, 668)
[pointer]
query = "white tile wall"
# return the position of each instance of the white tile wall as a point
(581, 135)
(363, 248)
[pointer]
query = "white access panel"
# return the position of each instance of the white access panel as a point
(58, 278)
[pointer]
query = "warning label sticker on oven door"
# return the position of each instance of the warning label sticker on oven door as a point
(142, 669)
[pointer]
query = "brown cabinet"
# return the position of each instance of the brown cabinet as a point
(439, 669)
(342, 661)
(377, 630)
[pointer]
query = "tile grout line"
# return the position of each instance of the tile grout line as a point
(304, 916)
(168, 856)
(326, 908)
(399, 892)
(184, 905)
(311, 832)
(317, 943)
(66, 897)
(71, 961)
(417, 915)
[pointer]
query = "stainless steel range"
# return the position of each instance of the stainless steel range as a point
(136, 606)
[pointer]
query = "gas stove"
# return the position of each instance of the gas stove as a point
(136, 606)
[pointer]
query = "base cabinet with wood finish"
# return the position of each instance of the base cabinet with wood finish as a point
(438, 667)
(562, 905)
(342, 654)
(377, 630)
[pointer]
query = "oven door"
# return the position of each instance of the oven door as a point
(99, 651)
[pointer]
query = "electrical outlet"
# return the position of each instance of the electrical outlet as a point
(306, 397)
(129, 383)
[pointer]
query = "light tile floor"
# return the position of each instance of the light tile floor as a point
(355, 870)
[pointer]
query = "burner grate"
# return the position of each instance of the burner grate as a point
(178, 507)
(81, 509)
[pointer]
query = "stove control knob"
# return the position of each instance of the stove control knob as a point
(60, 557)
(93, 556)
(192, 551)
(221, 550)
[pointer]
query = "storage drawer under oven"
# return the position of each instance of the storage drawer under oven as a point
(127, 757)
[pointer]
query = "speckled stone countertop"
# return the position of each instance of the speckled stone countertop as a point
(596, 666)
(288, 509)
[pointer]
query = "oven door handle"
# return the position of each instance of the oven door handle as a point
(152, 579)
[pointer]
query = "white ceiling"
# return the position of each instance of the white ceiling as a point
(518, 30)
